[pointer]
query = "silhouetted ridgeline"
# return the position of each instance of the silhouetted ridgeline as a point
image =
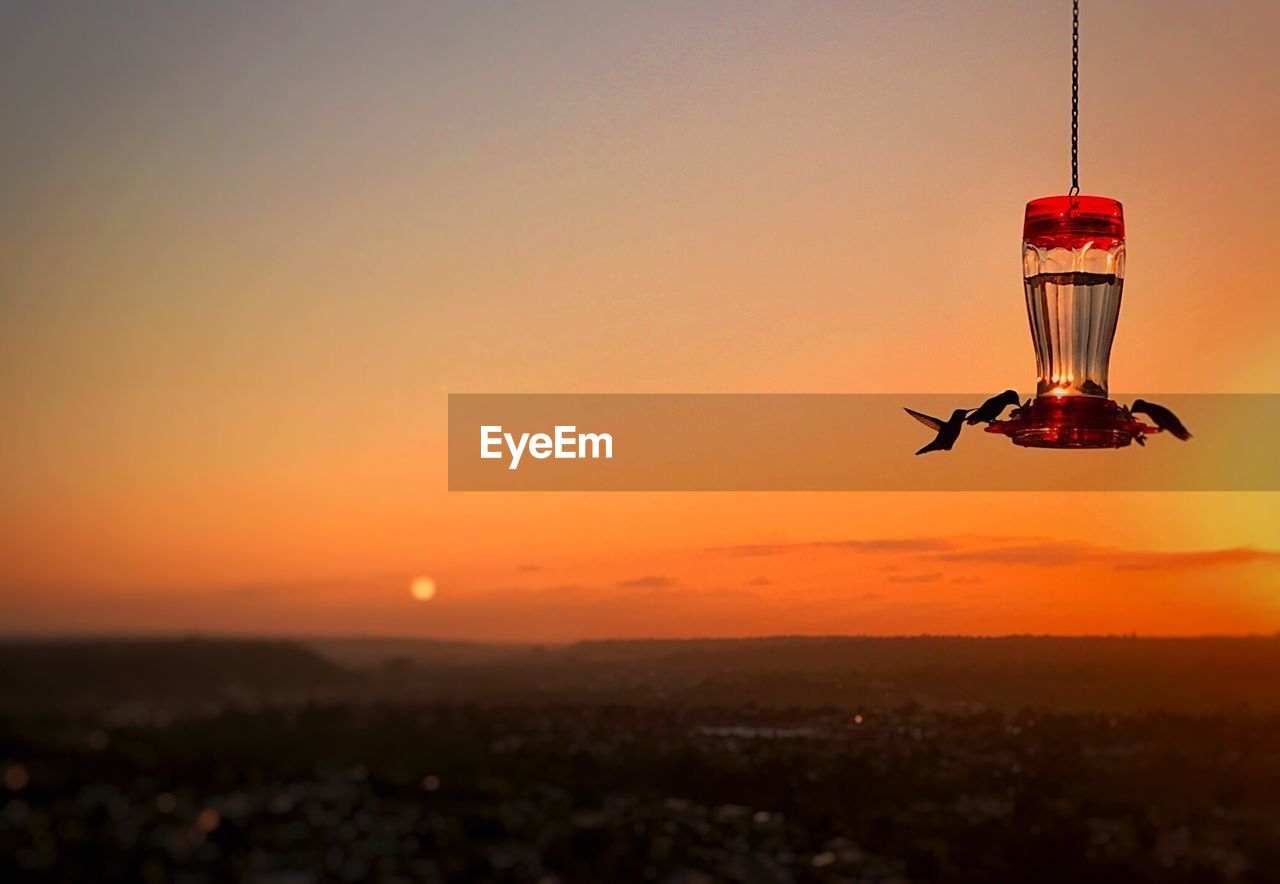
(1066, 674)
(76, 673)
(1070, 674)
(365, 652)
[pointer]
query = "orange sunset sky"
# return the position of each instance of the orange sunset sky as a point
(248, 250)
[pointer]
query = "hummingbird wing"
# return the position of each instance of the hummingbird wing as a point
(1175, 427)
(931, 422)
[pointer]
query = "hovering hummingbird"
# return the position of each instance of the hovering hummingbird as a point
(1164, 418)
(948, 431)
(993, 407)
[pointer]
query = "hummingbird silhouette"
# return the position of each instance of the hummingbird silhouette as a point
(948, 431)
(1163, 417)
(993, 407)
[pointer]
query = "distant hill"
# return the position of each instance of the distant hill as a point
(76, 673)
(1069, 673)
(1064, 674)
(367, 652)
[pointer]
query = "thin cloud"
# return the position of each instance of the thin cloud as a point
(1056, 554)
(1036, 552)
(1186, 561)
(1044, 554)
(875, 545)
(915, 578)
(652, 582)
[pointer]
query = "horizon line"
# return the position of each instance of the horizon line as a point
(197, 635)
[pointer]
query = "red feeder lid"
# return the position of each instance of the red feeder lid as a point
(1070, 222)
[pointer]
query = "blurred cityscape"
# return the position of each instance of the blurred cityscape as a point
(772, 760)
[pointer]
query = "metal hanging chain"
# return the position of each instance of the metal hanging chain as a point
(1075, 98)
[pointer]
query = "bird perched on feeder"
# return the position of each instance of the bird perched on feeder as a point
(993, 407)
(1164, 418)
(948, 431)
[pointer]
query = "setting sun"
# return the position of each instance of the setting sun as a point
(423, 589)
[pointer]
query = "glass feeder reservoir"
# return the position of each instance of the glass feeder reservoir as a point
(1073, 272)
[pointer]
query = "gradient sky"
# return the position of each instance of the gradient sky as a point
(248, 249)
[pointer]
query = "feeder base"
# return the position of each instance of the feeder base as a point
(1072, 422)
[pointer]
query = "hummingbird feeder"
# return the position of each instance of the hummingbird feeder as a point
(1073, 273)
